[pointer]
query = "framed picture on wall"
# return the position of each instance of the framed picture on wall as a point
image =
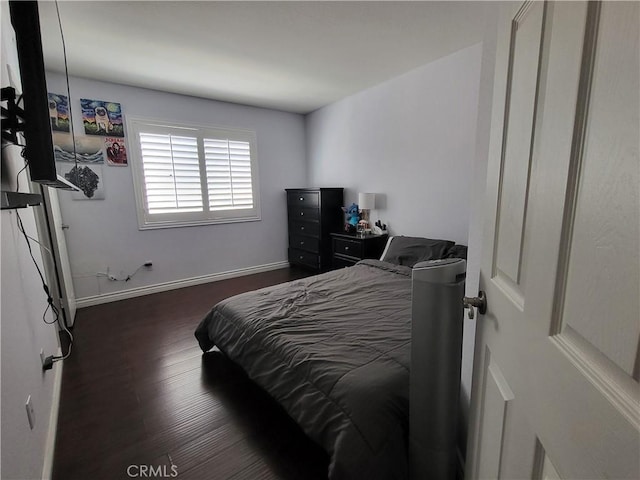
(116, 151)
(102, 118)
(59, 112)
(85, 150)
(86, 176)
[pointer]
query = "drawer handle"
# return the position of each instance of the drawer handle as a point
(302, 214)
(301, 228)
(346, 248)
(301, 257)
(301, 243)
(302, 199)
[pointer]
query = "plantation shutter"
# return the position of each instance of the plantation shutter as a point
(228, 166)
(192, 175)
(171, 173)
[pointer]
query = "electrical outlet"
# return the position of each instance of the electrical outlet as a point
(42, 357)
(31, 413)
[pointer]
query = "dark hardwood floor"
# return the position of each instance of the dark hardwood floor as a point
(139, 395)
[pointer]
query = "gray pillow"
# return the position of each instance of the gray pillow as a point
(457, 251)
(410, 250)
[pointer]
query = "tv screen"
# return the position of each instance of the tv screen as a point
(37, 126)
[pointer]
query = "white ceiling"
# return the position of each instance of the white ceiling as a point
(292, 56)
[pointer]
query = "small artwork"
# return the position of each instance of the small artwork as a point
(102, 118)
(59, 112)
(87, 149)
(116, 151)
(88, 177)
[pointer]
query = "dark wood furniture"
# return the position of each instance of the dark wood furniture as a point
(347, 249)
(313, 214)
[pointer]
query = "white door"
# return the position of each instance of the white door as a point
(59, 247)
(555, 391)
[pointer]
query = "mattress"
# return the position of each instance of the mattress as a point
(333, 350)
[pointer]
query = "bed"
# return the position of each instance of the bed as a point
(334, 351)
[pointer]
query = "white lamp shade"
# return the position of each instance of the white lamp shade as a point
(366, 201)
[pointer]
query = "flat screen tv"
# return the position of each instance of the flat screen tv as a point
(37, 126)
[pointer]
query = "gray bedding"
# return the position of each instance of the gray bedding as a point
(333, 350)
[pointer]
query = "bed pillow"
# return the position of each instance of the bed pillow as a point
(457, 251)
(410, 250)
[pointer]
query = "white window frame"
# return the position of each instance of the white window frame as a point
(147, 221)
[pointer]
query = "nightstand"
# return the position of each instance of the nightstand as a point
(347, 249)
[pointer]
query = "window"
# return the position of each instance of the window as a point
(191, 175)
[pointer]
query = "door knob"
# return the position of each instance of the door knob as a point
(479, 302)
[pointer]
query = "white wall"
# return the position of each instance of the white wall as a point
(411, 139)
(104, 233)
(22, 329)
(23, 334)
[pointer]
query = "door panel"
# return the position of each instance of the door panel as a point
(562, 328)
(518, 134)
(544, 469)
(496, 397)
(603, 252)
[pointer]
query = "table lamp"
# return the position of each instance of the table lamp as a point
(366, 201)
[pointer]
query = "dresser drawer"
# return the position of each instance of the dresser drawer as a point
(309, 244)
(350, 248)
(303, 199)
(304, 228)
(303, 213)
(303, 258)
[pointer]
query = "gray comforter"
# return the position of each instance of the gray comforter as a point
(333, 350)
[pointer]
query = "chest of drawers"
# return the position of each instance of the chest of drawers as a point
(313, 213)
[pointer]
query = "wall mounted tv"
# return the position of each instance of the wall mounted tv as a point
(37, 127)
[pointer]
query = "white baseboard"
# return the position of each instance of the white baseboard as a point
(186, 282)
(50, 446)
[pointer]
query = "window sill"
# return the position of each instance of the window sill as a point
(195, 223)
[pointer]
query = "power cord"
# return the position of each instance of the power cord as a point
(48, 362)
(113, 278)
(45, 287)
(66, 74)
